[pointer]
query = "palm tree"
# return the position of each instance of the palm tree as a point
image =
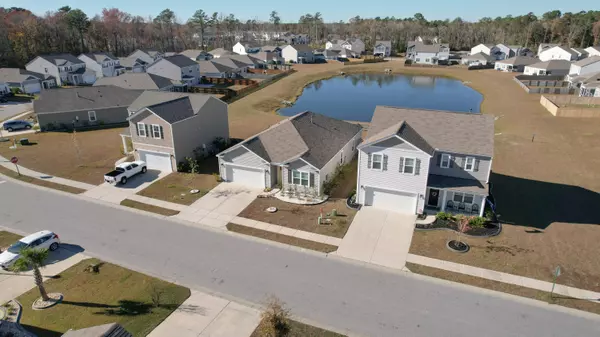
(33, 259)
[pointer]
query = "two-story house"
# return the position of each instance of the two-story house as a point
(488, 49)
(382, 48)
(421, 53)
(354, 44)
(65, 68)
(558, 53)
(178, 68)
(298, 53)
(417, 160)
(104, 64)
(25, 80)
(167, 127)
(148, 56)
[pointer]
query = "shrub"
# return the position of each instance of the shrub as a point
(489, 214)
(50, 126)
(217, 177)
(275, 319)
(444, 216)
(36, 127)
(183, 166)
(477, 221)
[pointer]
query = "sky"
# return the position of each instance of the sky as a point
(332, 11)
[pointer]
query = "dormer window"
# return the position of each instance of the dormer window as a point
(445, 162)
(469, 164)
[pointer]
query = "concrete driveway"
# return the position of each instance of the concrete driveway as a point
(117, 193)
(220, 205)
(378, 236)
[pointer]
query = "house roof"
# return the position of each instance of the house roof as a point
(520, 60)
(301, 47)
(179, 60)
(131, 61)
(552, 65)
(192, 53)
(230, 62)
(83, 98)
(60, 59)
(246, 60)
(264, 56)
(565, 49)
(580, 51)
(313, 137)
(480, 56)
(587, 61)
(457, 184)
(210, 67)
(138, 81)
(100, 56)
(170, 106)
(429, 48)
(105, 330)
(466, 133)
(17, 75)
(269, 48)
(385, 43)
(220, 52)
(596, 48)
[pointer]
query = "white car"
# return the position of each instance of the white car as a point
(39, 240)
(125, 171)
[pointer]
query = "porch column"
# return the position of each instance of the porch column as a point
(443, 200)
(125, 149)
(482, 207)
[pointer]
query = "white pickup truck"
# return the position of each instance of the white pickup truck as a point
(125, 171)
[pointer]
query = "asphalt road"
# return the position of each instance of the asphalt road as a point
(333, 292)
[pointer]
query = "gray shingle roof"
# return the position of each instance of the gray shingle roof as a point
(520, 61)
(179, 60)
(568, 50)
(170, 106)
(137, 81)
(192, 53)
(480, 56)
(230, 62)
(61, 59)
(83, 98)
(587, 61)
(302, 47)
(100, 56)
(310, 136)
(247, 60)
(457, 184)
(386, 43)
(429, 48)
(552, 65)
(128, 62)
(16, 75)
(459, 132)
(220, 52)
(210, 67)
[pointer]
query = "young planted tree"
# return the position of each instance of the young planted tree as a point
(275, 319)
(33, 259)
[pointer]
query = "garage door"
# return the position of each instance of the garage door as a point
(391, 200)
(156, 161)
(32, 88)
(246, 176)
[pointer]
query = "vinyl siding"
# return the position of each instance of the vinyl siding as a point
(392, 179)
(289, 54)
(149, 118)
(346, 154)
(107, 116)
(457, 170)
(243, 157)
(39, 65)
(301, 165)
(152, 148)
(93, 65)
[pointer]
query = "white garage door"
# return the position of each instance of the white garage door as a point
(246, 176)
(156, 161)
(32, 88)
(391, 200)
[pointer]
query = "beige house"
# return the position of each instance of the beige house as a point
(167, 127)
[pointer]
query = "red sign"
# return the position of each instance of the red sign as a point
(14, 160)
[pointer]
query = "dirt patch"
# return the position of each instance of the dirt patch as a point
(302, 217)
(85, 157)
(286, 239)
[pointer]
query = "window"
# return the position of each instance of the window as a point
(445, 162)
(156, 132)
(92, 116)
(469, 164)
(134, 165)
(377, 163)
(141, 129)
(408, 166)
(300, 178)
(463, 197)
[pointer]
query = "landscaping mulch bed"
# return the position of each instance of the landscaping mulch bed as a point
(298, 329)
(489, 229)
(289, 240)
(40, 182)
(302, 217)
(148, 208)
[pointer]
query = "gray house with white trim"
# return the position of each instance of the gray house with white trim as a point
(300, 152)
(414, 161)
(65, 68)
(178, 68)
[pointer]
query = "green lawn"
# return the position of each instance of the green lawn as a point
(7, 239)
(115, 294)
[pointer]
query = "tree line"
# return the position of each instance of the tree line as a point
(23, 35)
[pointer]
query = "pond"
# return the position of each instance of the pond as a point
(354, 97)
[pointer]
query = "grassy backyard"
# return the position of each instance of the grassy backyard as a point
(7, 239)
(85, 157)
(115, 294)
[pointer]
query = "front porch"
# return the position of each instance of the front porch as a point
(455, 195)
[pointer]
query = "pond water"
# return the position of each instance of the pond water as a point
(354, 97)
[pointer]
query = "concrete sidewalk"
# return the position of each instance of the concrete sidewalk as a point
(204, 315)
(504, 277)
(31, 173)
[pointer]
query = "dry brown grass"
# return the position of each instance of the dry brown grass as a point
(40, 182)
(148, 208)
(55, 154)
(281, 238)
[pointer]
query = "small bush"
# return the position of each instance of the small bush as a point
(489, 214)
(183, 166)
(275, 319)
(477, 221)
(217, 177)
(36, 128)
(444, 216)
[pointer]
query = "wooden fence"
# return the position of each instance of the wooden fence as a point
(544, 85)
(572, 106)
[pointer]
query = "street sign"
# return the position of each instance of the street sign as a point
(14, 160)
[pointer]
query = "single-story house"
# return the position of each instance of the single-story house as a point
(298, 53)
(552, 67)
(301, 152)
(478, 59)
(214, 70)
(78, 107)
(141, 81)
(248, 60)
(515, 64)
(167, 127)
(27, 81)
(196, 54)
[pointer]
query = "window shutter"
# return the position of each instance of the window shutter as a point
(452, 161)
(147, 127)
(439, 160)
(162, 134)
(476, 169)
(401, 164)
(289, 173)
(137, 130)
(385, 159)
(369, 165)
(417, 167)
(311, 180)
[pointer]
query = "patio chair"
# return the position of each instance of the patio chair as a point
(450, 204)
(475, 208)
(461, 206)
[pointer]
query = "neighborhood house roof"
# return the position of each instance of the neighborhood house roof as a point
(220, 52)
(552, 65)
(192, 53)
(246, 60)
(16, 75)
(229, 62)
(83, 98)
(61, 59)
(587, 61)
(384, 43)
(568, 50)
(302, 47)
(129, 62)
(429, 48)
(480, 56)
(519, 60)
(170, 106)
(269, 48)
(465, 133)
(307, 135)
(100, 56)
(210, 67)
(139, 81)
(179, 60)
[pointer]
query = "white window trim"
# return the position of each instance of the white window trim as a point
(373, 161)
(472, 162)
(154, 131)
(414, 165)
(445, 155)
(142, 126)
(462, 198)
(307, 178)
(90, 114)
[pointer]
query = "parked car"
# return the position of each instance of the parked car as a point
(39, 240)
(125, 171)
(11, 126)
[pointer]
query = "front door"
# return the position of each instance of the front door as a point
(434, 197)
